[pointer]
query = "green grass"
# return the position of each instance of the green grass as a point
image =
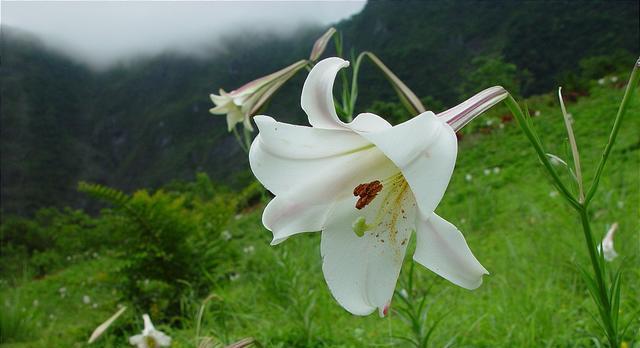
(529, 240)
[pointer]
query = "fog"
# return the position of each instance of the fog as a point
(104, 33)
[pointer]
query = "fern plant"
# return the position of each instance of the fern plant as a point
(169, 242)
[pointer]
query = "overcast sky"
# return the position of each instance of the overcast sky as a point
(103, 33)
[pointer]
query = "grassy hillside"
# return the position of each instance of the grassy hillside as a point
(517, 227)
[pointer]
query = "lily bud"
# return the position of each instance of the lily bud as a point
(240, 104)
(606, 246)
(321, 44)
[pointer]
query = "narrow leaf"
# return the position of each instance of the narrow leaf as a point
(407, 97)
(104, 326)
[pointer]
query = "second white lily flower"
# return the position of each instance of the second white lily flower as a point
(366, 185)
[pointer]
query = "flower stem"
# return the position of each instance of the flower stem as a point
(598, 270)
(533, 139)
(631, 86)
(598, 285)
(240, 141)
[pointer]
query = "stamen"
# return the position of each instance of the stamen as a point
(367, 192)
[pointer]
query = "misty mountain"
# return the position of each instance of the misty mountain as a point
(147, 123)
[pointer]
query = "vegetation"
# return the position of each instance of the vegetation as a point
(513, 221)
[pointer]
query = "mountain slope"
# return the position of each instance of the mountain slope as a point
(147, 123)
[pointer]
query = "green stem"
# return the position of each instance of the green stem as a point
(240, 141)
(600, 280)
(631, 86)
(247, 138)
(517, 112)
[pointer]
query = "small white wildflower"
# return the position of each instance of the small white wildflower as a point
(95, 305)
(501, 126)
(150, 337)
(249, 249)
(614, 79)
(496, 170)
(489, 122)
(233, 277)
(463, 220)
(95, 255)
(487, 171)
(536, 113)
(36, 303)
(468, 177)
(404, 293)
(601, 81)
(238, 216)
(51, 316)
(553, 194)
(86, 299)
(620, 204)
(226, 235)
(606, 246)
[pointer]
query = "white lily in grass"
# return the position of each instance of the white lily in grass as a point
(366, 185)
(606, 246)
(150, 337)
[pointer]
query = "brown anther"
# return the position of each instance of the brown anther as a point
(367, 192)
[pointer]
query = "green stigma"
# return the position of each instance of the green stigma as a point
(360, 226)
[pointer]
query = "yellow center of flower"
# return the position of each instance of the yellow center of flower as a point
(393, 191)
(151, 342)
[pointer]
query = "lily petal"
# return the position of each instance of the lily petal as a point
(362, 271)
(458, 116)
(441, 248)
(235, 116)
(308, 169)
(137, 340)
(317, 94)
(148, 325)
(425, 149)
(161, 338)
(284, 155)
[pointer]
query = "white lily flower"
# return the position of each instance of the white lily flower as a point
(240, 104)
(150, 337)
(366, 185)
(606, 246)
